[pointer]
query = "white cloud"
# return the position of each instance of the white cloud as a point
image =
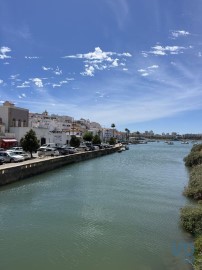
(24, 85)
(22, 96)
(57, 71)
(46, 68)
(160, 50)
(149, 70)
(56, 85)
(63, 82)
(100, 60)
(115, 63)
(153, 67)
(144, 54)
(145, 74)
(37, 81)
(3, 52)
(1, 81)
(141, 70)
(89, 71)
(14, 77)
(98, 54)
(125, 54)
(31, 57)
(6, 63)
(179, 33)
(199, 54)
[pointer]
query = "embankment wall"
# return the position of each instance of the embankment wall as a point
(33, 167)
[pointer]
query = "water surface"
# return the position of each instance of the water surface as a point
(119, 211)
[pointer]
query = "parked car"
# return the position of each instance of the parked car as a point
(11, 157)
(96, 147)
(72, 150)
(63, 150)
(47, 152)
(22, 153)
(17, 148)
(105, 145)
(2, 160)
(99, 145)
(50, 145)
(82, 148)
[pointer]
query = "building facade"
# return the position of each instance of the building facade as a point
(12, 116)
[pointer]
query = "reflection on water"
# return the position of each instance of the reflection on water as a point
(115, 212)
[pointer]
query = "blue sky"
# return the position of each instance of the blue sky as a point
(135, 63)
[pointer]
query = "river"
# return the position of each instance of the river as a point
(116, 212)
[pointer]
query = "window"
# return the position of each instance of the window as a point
(13, 122)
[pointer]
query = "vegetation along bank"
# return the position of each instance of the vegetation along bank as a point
(191, 216)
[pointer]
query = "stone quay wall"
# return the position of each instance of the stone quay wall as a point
(19, 171)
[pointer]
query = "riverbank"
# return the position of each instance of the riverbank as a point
(17, 171)
(191, 217)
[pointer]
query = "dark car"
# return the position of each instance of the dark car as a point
(2, 160)
(63, 150)
(99, 145)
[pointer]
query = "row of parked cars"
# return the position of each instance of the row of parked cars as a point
(15, 154)
(55, 150)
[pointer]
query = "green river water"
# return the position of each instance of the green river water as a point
(117, 212)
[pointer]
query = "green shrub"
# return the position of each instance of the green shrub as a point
(198, 253)
(193, 159)
(194, 188)
(191, 219)
(196, 148)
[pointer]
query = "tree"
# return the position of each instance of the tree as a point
(127, 133)
(88, 136)
(74, 142)
(96, 139)
(29, 142)
(113, 126)
(112, 141)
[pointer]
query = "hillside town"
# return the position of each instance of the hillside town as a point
(15, 122)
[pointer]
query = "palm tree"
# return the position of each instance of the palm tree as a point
(113, 126)
(127, 133)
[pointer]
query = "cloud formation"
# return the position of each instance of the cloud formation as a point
(37, 81)
(100, 60)
(147, 71)
(160, 50)
(25, 84)
(3, 52)
(179, 33)
(32, 57)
